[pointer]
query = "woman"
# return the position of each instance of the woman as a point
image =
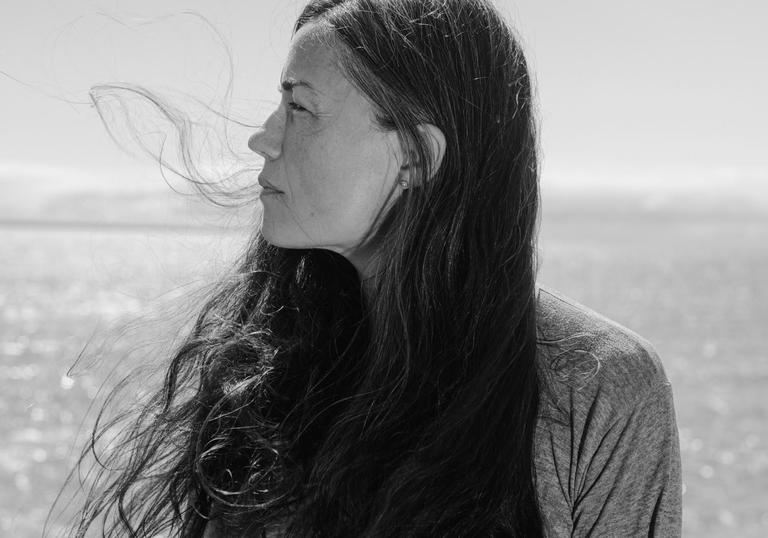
(383, 362)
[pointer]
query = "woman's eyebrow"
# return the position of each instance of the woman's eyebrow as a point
(291, 83)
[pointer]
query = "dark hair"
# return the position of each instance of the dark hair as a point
(411, 415)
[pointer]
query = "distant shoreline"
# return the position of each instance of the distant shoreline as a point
(105, 226)
(554, 214)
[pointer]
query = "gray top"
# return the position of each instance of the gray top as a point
(607, 454)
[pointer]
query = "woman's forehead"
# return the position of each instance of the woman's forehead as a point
(312, 64)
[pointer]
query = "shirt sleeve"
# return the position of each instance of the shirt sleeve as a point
(632, 485)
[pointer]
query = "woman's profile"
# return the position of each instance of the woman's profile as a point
(383, 361)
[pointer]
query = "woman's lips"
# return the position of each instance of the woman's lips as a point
(266, 186)
(267, 190)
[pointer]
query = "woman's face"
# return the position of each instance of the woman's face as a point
(324, 151)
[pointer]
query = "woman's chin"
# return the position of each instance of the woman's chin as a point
(273, 236)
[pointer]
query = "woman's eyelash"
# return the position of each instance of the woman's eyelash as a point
(295, 106)
(291, 104)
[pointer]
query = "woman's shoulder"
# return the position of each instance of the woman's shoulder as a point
(606, 450)
(583, 352)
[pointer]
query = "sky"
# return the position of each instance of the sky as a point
(642, 95)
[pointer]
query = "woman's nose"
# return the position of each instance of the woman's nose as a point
(267, 141)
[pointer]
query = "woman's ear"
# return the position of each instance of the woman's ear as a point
(435, 142)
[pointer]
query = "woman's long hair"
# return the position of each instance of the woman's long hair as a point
(411, 413)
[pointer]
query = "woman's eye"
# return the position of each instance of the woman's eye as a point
(295, 106)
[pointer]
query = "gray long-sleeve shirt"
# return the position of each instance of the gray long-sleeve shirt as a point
(607, 454)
